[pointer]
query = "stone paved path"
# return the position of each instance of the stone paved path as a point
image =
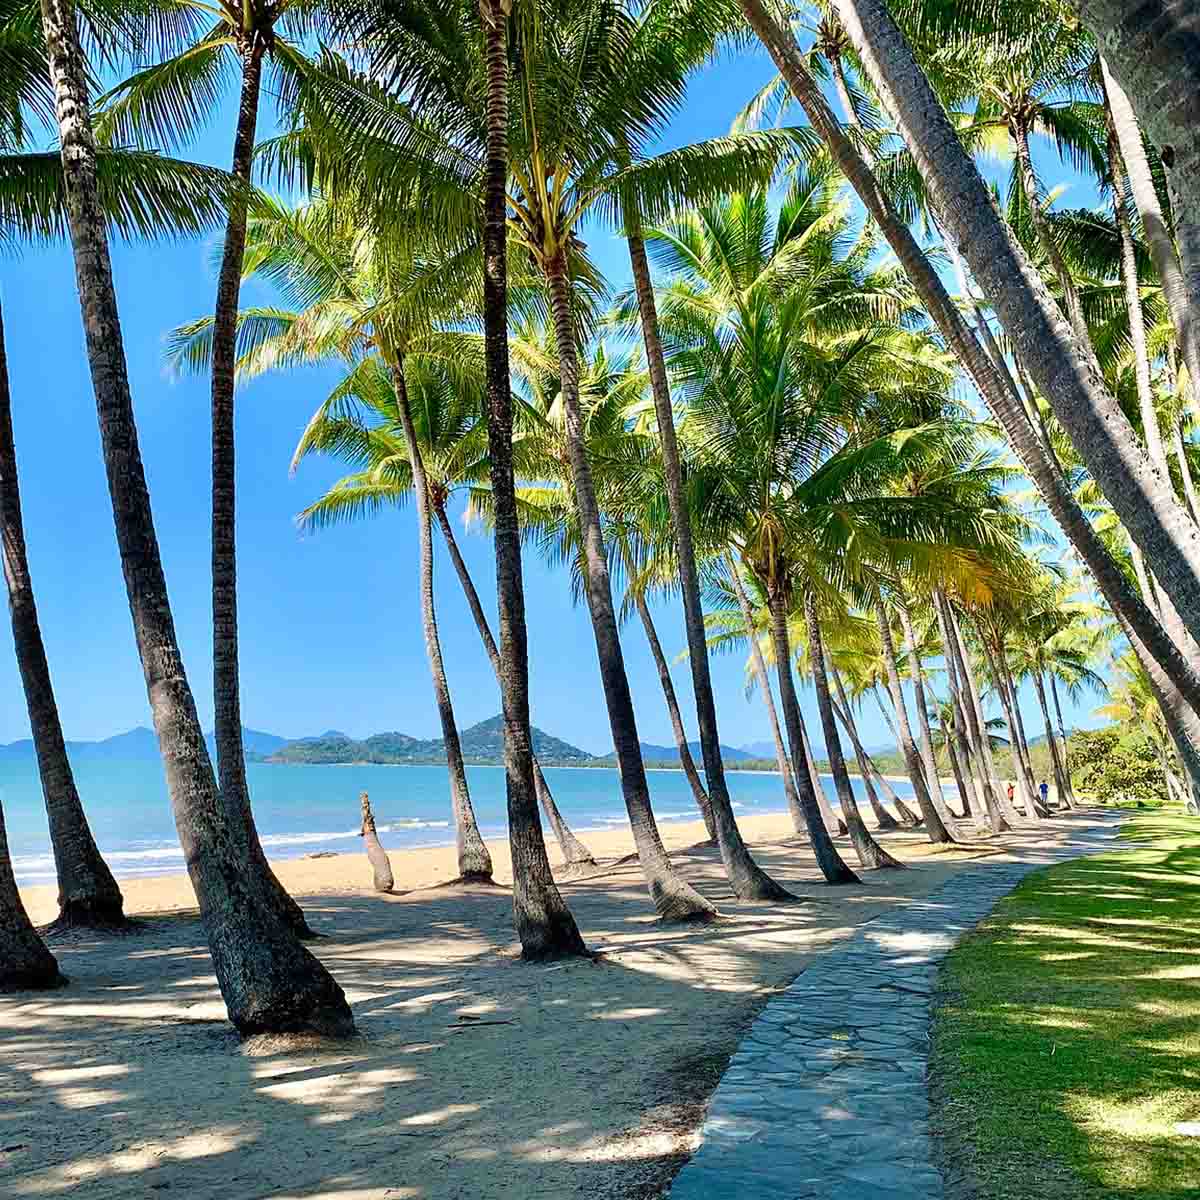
(826, 1096)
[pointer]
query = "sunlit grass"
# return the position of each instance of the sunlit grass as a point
(1067, 1041)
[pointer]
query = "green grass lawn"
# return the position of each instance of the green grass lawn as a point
(1066, 1046)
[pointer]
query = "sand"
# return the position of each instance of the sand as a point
(475, 1075)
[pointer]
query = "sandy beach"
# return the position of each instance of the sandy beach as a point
(475, 1075)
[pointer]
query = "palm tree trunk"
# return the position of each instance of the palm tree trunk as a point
(916, 674)
(1004, 404)
(829, 860)
(544, 924)
(1001, 813)
(972, 785)
(961, 779)
(935, 827)
(1059, 365)
(1066, 742)
(748, 880)
(575, 854)
(883, 818)
(674, 899)
(1026, 758)
(1020, 771)
(25, 962)
(269, 981)
(786, 772)
(1019, 133)
(1133, 305)
(474, 861)
(870, 853)
(833, 822)
(1154, 47)
(381, 865)
(906, 814)
(1060, 778)
(1185, 470)
(668, 687)
(227, 704)
(87, 892)
(1159, 241)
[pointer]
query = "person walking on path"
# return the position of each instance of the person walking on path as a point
(1044, 788)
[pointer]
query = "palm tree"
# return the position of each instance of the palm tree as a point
(544, 924)
(1055, 360)
(168, 103)
(143, 195)
(358, 310)
(1154, 53)
(269, 981)
(869, 852)
(577, 147)
(1175, 676)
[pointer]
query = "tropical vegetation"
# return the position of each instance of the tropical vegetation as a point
(964, 509)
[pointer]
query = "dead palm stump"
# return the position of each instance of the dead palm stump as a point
(376, 855)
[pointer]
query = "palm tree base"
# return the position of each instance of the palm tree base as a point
(95, 915)
(37, 978)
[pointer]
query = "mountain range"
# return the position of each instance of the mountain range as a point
(482, 743)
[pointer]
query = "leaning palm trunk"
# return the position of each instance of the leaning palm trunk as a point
(87, 892)
(1066, 742)
(764, 684)
(544, 924)
(1019, 131)
(883, 818)
(1001, 812)
(1060, 776)
(828, 858)
(935, 827)
(474, 861)
(381, 865)
(870, 853)
(269, 981)
(917, 676)
(1154, 48)
(1026, 757)
(685, 754)
(1021, 772)
(1143, 499)
(575, 854)
(748, 880)
(227, 704)
(25, 962)
(673, 897)
(1185, 470)
(1133, 305)
(906, 814)
(1128, 137)
(971, 783)
(1005, 405)
(833, 822)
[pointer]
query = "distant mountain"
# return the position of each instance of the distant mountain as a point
(140, 744)
(759, 749)
(669, 754)
(482, 743)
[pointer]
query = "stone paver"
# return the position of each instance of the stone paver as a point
(826, 1096)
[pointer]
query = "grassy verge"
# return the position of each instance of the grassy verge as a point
(1066, 1044)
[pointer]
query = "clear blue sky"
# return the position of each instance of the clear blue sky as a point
(330, 624)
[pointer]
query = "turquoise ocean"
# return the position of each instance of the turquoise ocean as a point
(307, 809)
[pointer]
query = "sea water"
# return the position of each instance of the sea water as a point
(306, 809)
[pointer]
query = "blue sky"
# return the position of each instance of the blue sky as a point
(330, 624)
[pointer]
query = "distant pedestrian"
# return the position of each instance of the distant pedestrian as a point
(1010, 791)
(1044, 788)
